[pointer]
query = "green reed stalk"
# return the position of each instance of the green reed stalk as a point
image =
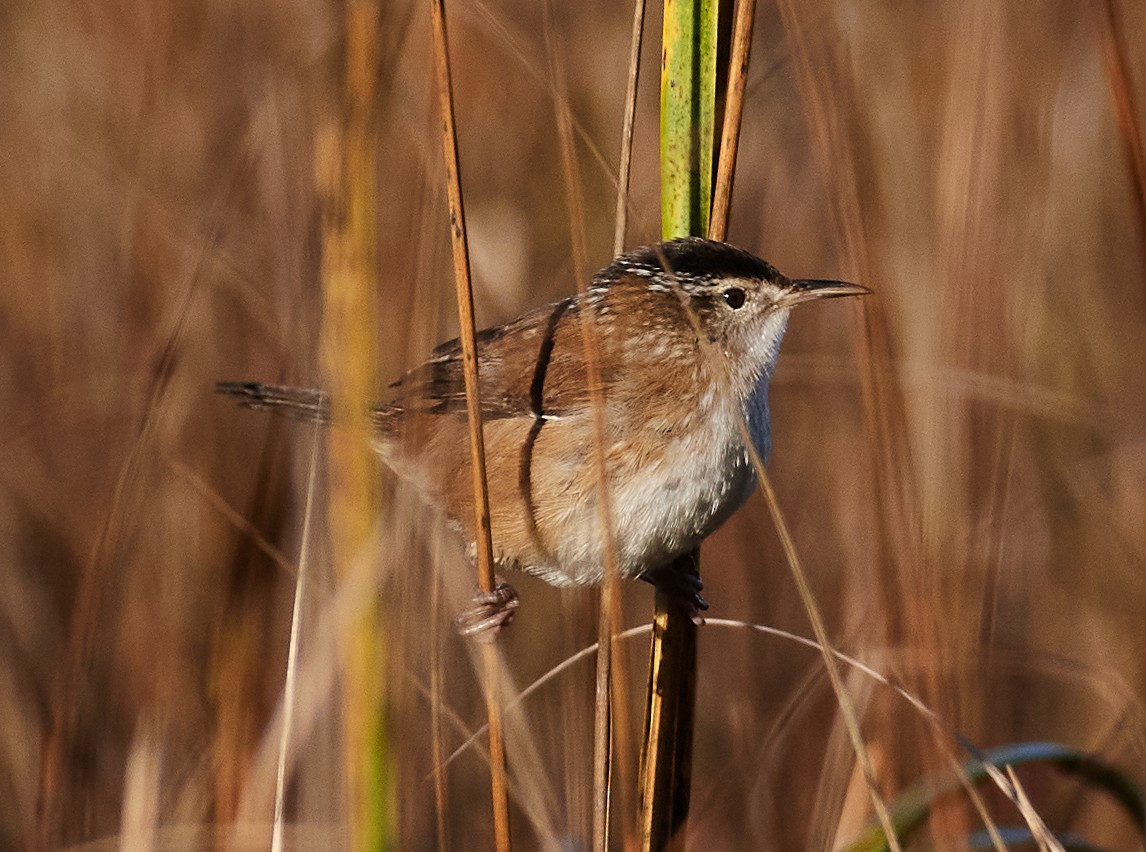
(347, 175)
(688, 103)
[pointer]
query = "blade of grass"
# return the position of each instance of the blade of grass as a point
(811, 607)
(436, 707)
(610, 687)
(913, 807)
(896, 498)
(290, 681)
(621, 216)
(847, 711)
(733, 113)
(575, 208)
(1113, 45)
(473, 409)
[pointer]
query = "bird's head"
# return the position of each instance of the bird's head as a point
(741, 303)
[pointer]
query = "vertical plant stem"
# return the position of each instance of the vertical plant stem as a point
(473, 409)
(688, 98)
(290, 683)
(688, 105)
(625, 168)
(847, 710)
(591, 351)
(436, 693)
(611, 696)
(346, 162)
(666, 759)
(1113, 44)
(733, 113)
(826, 97)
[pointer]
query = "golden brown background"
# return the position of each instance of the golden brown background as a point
(962, 459)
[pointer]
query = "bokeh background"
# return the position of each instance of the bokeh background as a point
(961, 457)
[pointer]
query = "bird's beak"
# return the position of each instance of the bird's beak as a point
(808, 289)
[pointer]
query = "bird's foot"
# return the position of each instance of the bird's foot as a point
(682, 587)
(490, 612)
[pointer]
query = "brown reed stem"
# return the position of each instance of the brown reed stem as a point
(625, 168)
(847, 709)
(575, 208)
(733, 113)
(468, 335)
(436, 698)
(666, 759)
(290, 681)
(1113, 44)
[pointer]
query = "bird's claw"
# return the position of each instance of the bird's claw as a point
(490, 612)
(681, 587)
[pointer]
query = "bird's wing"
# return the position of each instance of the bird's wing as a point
(531, 367)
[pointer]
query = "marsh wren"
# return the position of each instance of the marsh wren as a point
(676, 464)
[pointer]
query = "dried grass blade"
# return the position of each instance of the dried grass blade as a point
(624, 170)
(290, 681)
(733, 113)
(473, 408)
(812, 608)
(575, 208)
(1113, 45)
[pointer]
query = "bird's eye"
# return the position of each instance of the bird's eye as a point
(735, 297)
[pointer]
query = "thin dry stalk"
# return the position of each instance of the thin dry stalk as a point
(610, 616)
(290, 681)
(1008, 784)
(625, 168)
(516, 45)
(811, 607)
(895, 499)
(666, 760)
(436, 706)
(944, 733)
(68, 722)
(575, 207)
(214, 499)
(473, 409)
(733, 113)
(1113, 44)
(847, 711)
(977, 802)
(926, 713)
(142, 784)
(603, 714)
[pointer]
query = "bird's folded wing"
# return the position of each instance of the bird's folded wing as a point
(532, 367)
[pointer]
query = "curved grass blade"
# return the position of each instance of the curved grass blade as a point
(913, 807)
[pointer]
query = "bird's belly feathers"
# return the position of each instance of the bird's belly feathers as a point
(671, 483)
(666, 492)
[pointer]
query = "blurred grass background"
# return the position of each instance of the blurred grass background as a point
(962, 459)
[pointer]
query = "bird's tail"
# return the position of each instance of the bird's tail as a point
(301, 403)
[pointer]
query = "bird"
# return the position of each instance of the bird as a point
(687, 332)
